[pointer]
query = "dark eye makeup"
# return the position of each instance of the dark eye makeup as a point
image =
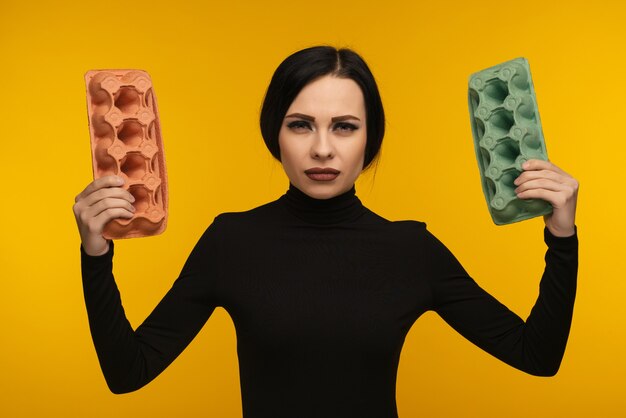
(297, 124)
(341, 126)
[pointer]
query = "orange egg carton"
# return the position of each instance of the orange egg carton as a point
(126, 141)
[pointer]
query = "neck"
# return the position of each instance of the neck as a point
(343, 208)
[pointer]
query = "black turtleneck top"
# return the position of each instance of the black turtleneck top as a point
(322, 294)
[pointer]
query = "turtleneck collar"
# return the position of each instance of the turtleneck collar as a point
(345, 207)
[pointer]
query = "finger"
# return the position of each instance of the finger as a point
(541, 183)
(534, 164)
(110, 203)
(105, 193)
(90, 212)
(528, 176)
(113, 213)
(106, 181)
(556, 193)
(96, 224)
(87, 214)
(556, 199)
(533, 175)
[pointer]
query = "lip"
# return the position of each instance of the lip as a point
(322, 173)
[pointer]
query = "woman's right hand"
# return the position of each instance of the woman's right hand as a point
(102, 200)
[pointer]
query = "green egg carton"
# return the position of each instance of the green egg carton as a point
(507, 132)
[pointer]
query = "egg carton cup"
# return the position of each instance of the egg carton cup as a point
(507, 132)
(126, 141)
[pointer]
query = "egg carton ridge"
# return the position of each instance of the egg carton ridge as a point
(126, 141)
(506, 129)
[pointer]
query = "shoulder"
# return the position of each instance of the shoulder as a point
(413, 234)
(406, 228)
(233, 223)
(260, 214)
(416, 235)
(417, 238)
(408, 231)
(232, 226)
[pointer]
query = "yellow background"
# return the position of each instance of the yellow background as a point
(210, 63)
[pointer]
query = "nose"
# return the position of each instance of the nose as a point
(322, 147)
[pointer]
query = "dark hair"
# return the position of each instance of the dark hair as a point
(304, 66)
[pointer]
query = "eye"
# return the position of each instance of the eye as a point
(345, 127)
(299, 125)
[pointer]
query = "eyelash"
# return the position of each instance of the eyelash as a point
(343, 126)
(297, 124)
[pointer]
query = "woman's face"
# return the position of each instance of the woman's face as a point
(323, 136)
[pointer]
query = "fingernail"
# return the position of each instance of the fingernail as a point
(526, 165)
(119, 180)
(132, 208)
(132, 198)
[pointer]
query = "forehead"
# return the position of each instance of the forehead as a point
(330, 96)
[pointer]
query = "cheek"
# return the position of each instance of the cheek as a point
(358, 153)
(283, 147)
(288, 152)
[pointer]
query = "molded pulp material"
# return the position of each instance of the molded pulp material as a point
(126, 141)
(507, 132)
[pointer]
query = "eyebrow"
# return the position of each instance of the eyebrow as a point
(312, 119)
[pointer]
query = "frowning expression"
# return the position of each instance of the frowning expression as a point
(323, 135)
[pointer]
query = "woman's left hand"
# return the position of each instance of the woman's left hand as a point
(544, 180)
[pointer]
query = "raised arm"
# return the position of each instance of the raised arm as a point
(536, 345)
(131, 358)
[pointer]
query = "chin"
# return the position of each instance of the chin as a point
(323, 191)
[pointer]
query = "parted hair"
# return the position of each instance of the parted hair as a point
(305, 66)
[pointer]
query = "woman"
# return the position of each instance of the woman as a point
(321, 290)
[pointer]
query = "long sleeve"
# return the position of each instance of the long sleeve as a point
(131, 358)
(322, 294)
(536, 345)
